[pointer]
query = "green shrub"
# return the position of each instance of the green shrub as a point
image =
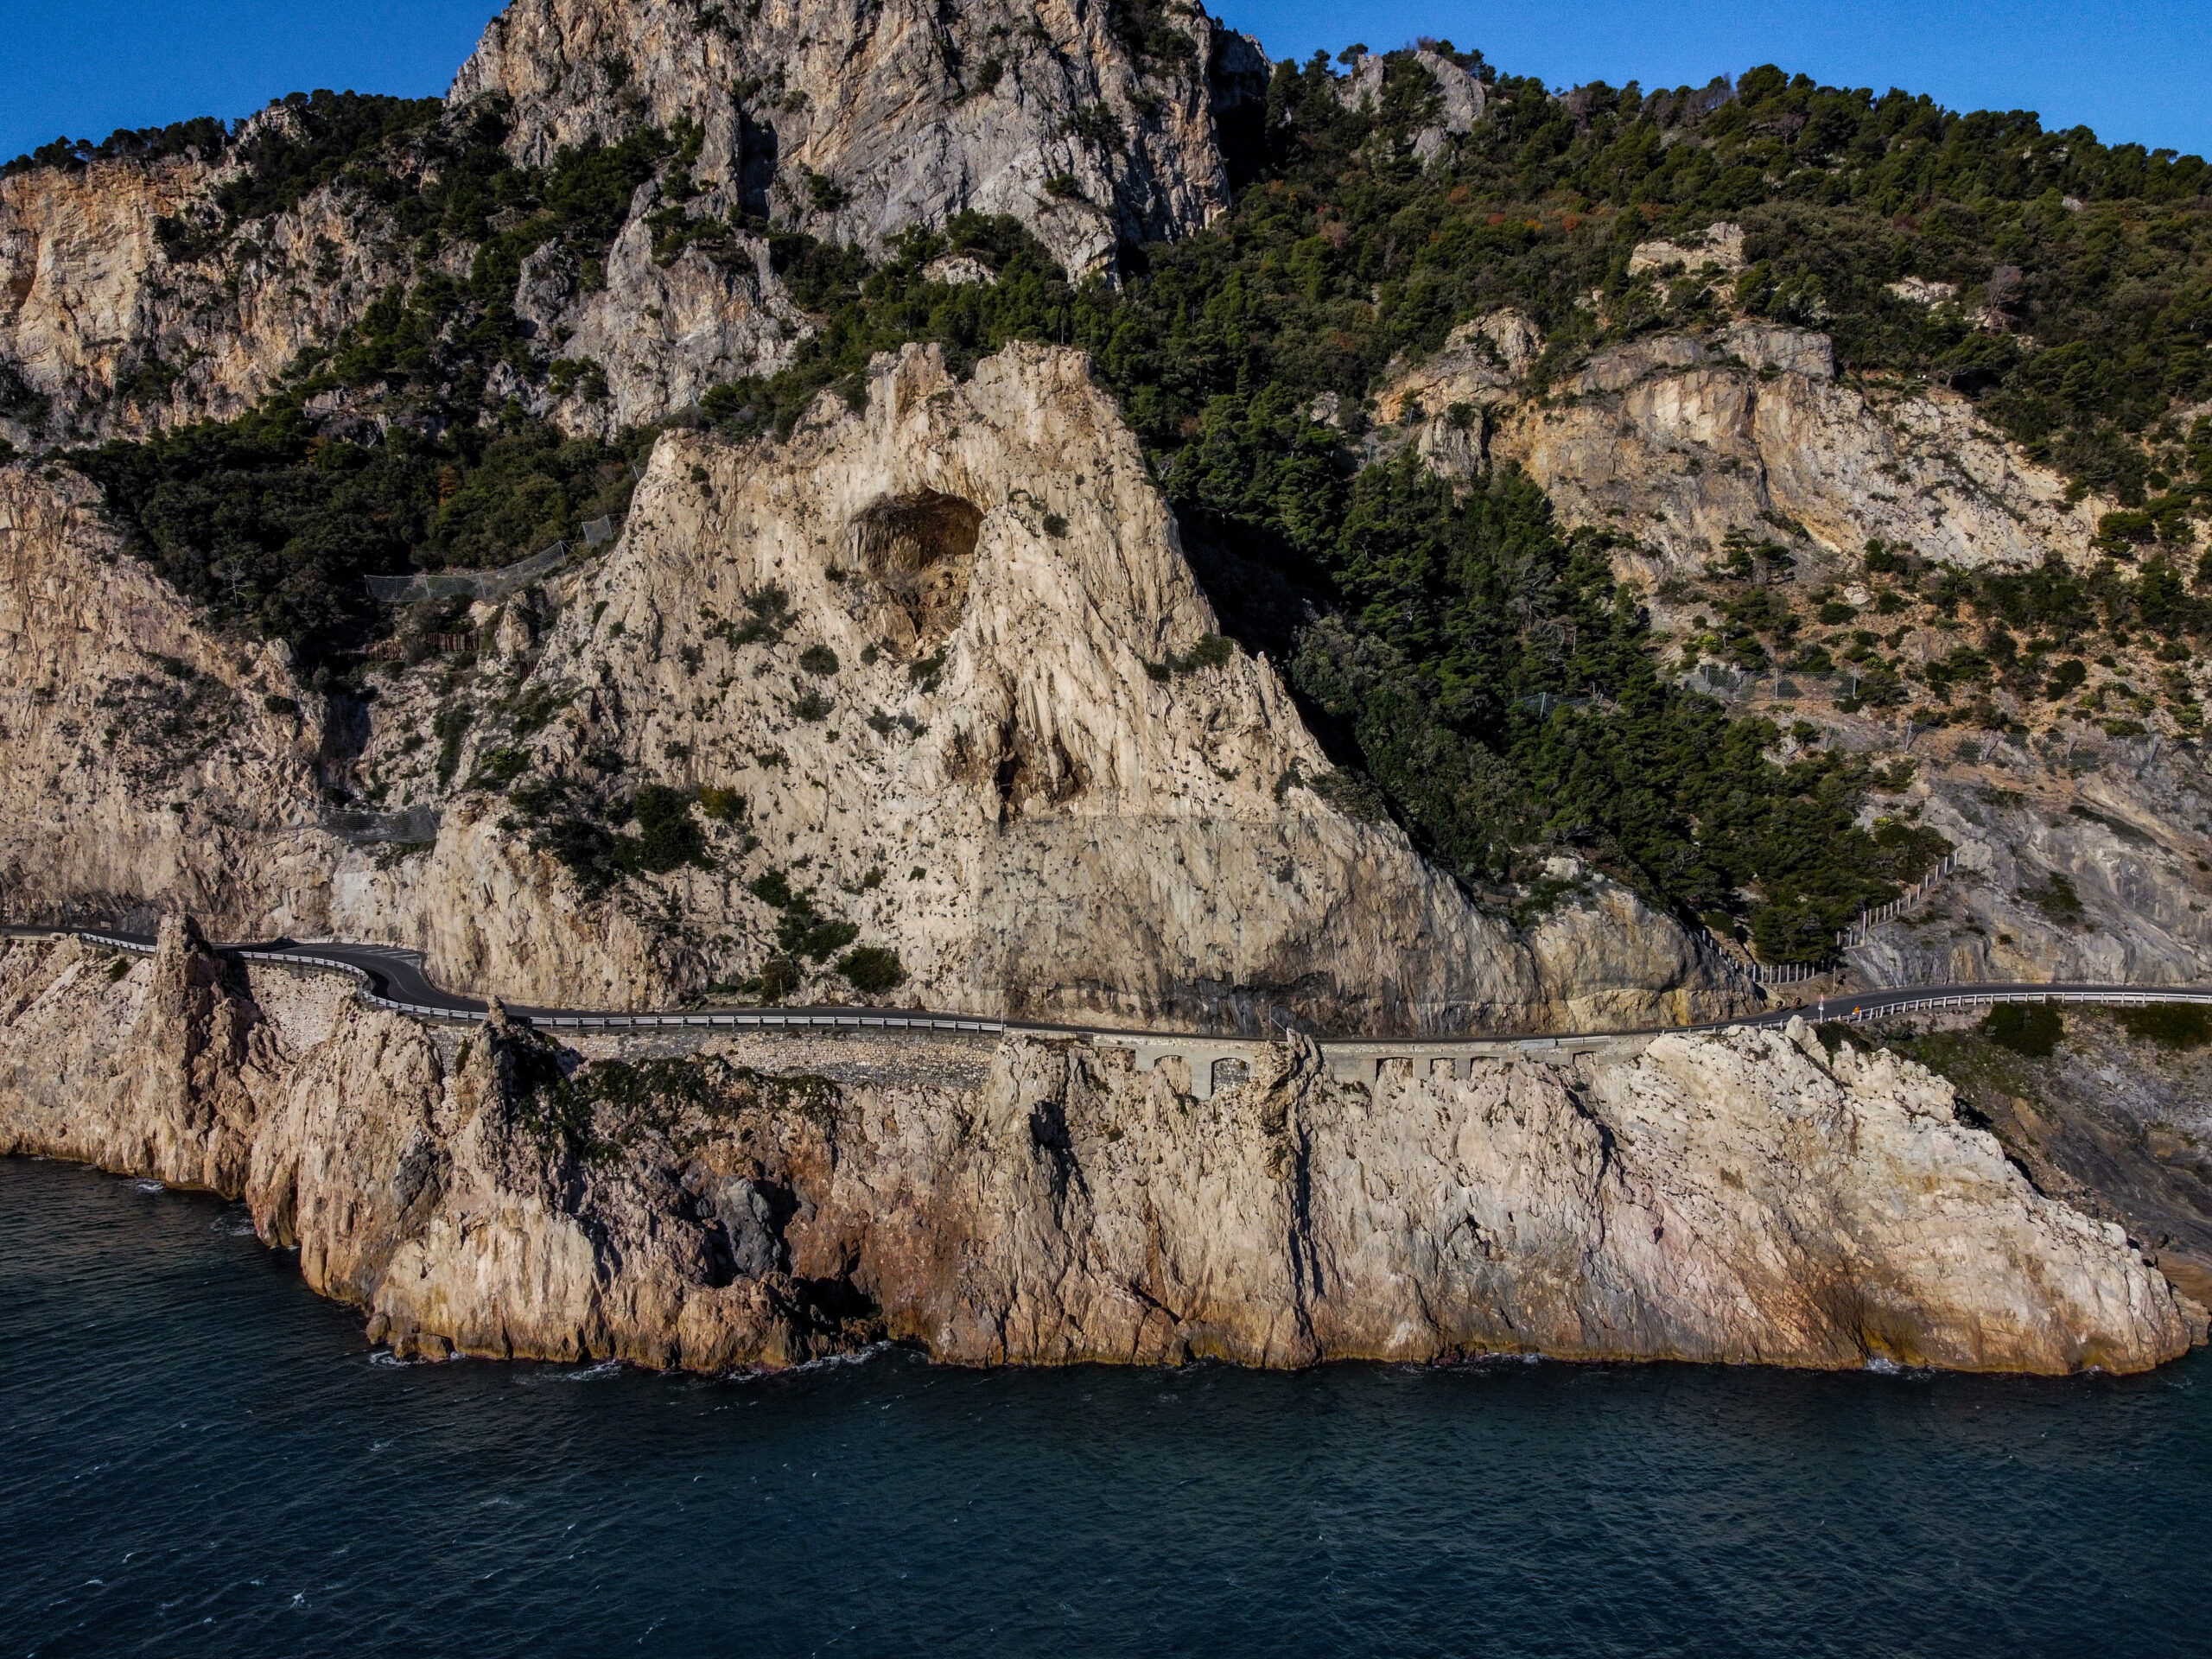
(722, 805)
(450, 727)
(1354, 795)
(2056, 900)
(871, 969)
(778, 978)
(818, 659)
(2169, 1024)
(804, 933)
(599, 856)
(2034, 1031)
(926, 672)
(668, 839)
(496, 768)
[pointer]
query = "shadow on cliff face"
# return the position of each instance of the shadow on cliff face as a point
(918, 551)
(1265, 595)
(2111, 1113)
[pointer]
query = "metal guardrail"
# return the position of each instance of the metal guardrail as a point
(1978, 999)
(588, 1022)
(870, 1019)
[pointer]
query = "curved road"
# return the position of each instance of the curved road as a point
(394, 978)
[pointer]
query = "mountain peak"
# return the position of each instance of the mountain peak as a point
(1094, 122)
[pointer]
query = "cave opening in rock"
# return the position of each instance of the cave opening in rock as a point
(919, 551)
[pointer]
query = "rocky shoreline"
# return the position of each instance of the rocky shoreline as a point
(760, 1201)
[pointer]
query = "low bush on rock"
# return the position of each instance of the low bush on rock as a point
(2034, 1031)
(872, 969)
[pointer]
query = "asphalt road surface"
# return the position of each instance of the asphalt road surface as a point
(396, 977)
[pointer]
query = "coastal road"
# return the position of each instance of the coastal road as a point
(394, 978)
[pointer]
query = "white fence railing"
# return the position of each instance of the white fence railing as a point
(1956, 1000)
(1762, 973)
(1869, 919)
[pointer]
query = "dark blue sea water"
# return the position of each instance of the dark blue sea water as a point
(201, 1458)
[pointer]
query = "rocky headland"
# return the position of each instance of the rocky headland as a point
(1745, 1197)
(1041, 512)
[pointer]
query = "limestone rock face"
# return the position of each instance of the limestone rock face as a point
(1718, 248)
(1711, 1197)
(141, 759)
(983, 721)
(905, 113)
(1692, 440)
(855, 125)
(1465, 97)
(1678, 442)
(947, 657)
(2128, 836)
(662, 335)
(105, 329)
(168, 1078)
(1743, 1199)
(1482, 363)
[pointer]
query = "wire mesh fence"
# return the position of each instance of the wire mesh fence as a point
(475, 584)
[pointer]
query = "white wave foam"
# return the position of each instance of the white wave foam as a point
(598, 1372)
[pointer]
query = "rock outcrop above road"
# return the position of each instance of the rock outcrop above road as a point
(134, 296)
(1745, 1198)
(142, 758)
(1686, 439)
(105, 327)
(1092, 123)
(2084, 846)
(943, 663)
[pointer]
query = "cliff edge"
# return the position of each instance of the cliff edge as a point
(1739, 1198)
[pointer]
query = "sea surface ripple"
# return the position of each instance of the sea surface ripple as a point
(205, 1458)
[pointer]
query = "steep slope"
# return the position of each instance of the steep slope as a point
(1091, 121)
(1743, 480)
(106, 325)
(943, 670)
(143, 762)
(137, 295)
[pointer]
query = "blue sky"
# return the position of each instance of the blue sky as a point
(2140, 71)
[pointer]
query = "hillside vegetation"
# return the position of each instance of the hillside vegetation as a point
(1475, 669)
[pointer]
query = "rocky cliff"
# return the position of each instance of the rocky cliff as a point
(945, 665)
(141, 755)
(1735, 461)
(136, 295)
(1094, 122)
(1743, 1198)
(105, 327)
